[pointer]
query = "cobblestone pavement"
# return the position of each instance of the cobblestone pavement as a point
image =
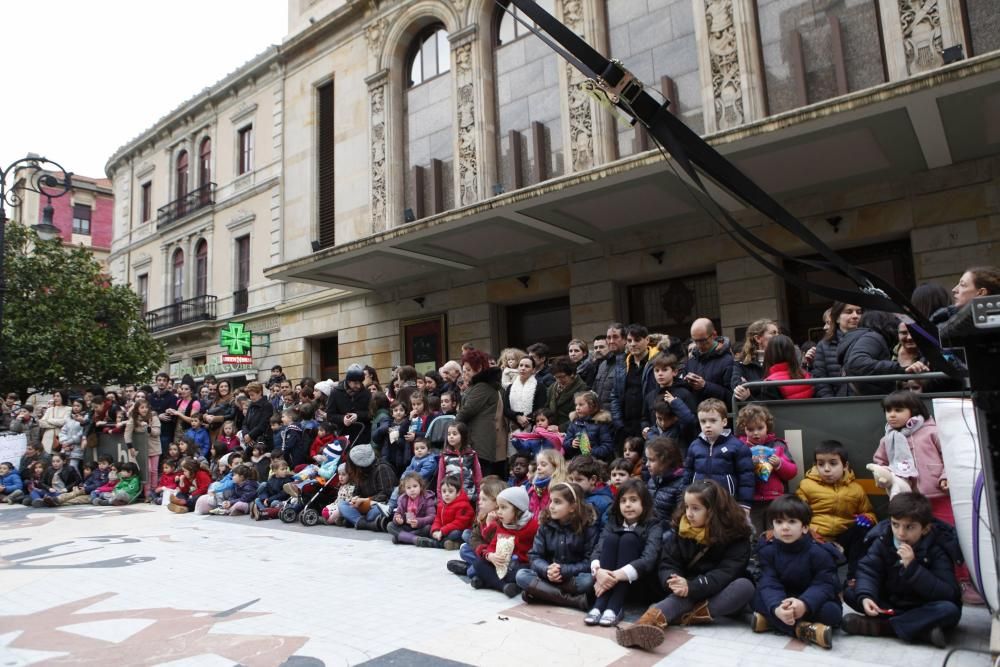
(142, 586)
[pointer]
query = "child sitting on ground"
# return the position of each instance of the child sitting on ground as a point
(453, 516)
(773, 464)
(59, 478)
(192, 483)
(619, 473)
(228, 436)
(345, 491)
(460, 460)
(10, 481)
(666, 478)
(243, 494)
(415, 510)
(797, 593)
(272, 494)
(518, 469)
(634, 451)
(128, 487)
(719, 455)
(590, 475)
(906, 582)
(96, 478)
(479, 536)
(507, 552)
(840, 507)
(168, 480)
(550, 468)
(424, 463)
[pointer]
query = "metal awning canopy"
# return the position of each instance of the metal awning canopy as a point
(944, 117)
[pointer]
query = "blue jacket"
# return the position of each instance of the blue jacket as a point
(223, 484)
(601, 499)
(683, 406)
(728, 462)
(397, 454)
(273, 489)
(804, 569)
(667, 491)
(598, 429)
(716, 366)
(426, 467)
(294, 446)
(201, 438)
(11, 482)
(245, 492)
(929, 578)
(558, 543)
(95, 480)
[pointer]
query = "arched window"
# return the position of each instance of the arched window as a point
(430, 55)
(177, 282)
(428, 113)
(201, 268)
(205, 162)
(529, 117)
(509, 28)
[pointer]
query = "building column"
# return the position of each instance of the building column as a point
(468, 181)
(377, 88)
(748, 291)
(917, 32)
(729, 63)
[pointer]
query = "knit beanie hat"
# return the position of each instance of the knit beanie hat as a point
(363, 456)
(516, 496)
(355, 373)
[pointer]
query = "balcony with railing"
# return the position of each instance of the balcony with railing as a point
(198, 309)
(241, 301)
(193, 201)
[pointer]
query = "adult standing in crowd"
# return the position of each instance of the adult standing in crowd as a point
(257, 423)
(479, 409)
(844, 318)
(632, 382)
(604, 381)
(54, 417)
(524, 395)
(867, 350)
(539, 352)
(348, 405)
(188, 407)
(561, 392)
(450, 372)
(956, 319)
(223, 408)
(162, 400)
(749, 364)
(579, 355)
(710, 368)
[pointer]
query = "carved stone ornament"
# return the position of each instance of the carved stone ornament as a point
(460, 5)
(378, 151)
(581, 120)
(375, 35)
(468, 163)
(923, 46)
(725, 62)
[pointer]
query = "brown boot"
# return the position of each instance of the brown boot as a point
(697, 616)
(647, 633)
(814, 633)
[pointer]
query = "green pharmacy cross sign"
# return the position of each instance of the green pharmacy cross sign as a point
(236, 339)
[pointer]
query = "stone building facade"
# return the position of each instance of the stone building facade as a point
(433, 175)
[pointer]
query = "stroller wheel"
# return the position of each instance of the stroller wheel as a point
(309, 517)
(288, 515)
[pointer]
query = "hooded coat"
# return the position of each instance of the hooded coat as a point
(834, 506)
(804, 569)
(598, 430)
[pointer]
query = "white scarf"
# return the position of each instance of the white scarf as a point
(897, 448)
(522, 396)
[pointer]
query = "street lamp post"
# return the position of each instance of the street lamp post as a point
(36, 179)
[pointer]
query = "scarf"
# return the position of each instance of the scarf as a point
(522, 396)
(897, 448)
(521, 522)
(540, 485)
(689, 532)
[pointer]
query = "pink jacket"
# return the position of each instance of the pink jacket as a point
(926, 447)
(792, 391)
(775, 484)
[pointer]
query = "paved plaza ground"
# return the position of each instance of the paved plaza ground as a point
(141, 586)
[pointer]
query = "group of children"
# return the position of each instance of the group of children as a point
(664, 523)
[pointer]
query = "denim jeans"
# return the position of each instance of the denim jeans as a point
(579, 583)
(351, 515)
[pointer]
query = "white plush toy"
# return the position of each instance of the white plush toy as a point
(885, 479)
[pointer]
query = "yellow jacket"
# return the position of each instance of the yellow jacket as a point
(834, 505)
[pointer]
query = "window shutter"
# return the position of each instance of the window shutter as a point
(325, 178)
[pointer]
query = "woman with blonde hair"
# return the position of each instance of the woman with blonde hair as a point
(749, 365)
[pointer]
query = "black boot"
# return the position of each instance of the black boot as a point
(546, 592)
(362, 524)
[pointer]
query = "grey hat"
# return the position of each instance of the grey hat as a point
(363, 456)
(516, 496)
(355, 373)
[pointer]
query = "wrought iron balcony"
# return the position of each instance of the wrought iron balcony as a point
(198, 309)
(186, 205)
(240, 301)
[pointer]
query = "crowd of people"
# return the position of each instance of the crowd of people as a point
(613, 473)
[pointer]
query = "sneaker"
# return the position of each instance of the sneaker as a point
(178, 509)
(451, 545)
(610, 619)
(970, 595)
(866, 626)
(425, 542)
(758, 622)
(593, 616)
(14, 497)
(511, 590)
(255, 512)
(292, 489)
(37, 502)
(459, 567)
(217, 511)
(814, 633)
(476, 582)
(937, 638)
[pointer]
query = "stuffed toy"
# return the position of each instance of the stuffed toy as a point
(885, 479)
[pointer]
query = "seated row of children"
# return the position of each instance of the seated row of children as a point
(50, 481)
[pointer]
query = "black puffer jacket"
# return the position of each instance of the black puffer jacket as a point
(342, 402)
(649, 533)
(826, 365)
(708, 574)
(558, 543)
(716, 368)
(866, 351)
(257, 423)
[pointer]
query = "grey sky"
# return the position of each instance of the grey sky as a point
(82, 78)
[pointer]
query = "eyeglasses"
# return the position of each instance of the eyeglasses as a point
(700, 341)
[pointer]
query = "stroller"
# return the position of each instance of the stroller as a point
(313, 496)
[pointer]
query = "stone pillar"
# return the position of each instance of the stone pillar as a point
(468, 183)
(729, 63)
(578, 112)
(748, 291)
(917, 32)
(379, 142)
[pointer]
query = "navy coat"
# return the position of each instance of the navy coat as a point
(729, 462)
(558, 543)
(716, 367)
(667, 491)
(805, 569)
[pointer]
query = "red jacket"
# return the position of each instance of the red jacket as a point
(456, 515)
(319, 443)
(790, 392)
(197, 486)
(523, 539)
